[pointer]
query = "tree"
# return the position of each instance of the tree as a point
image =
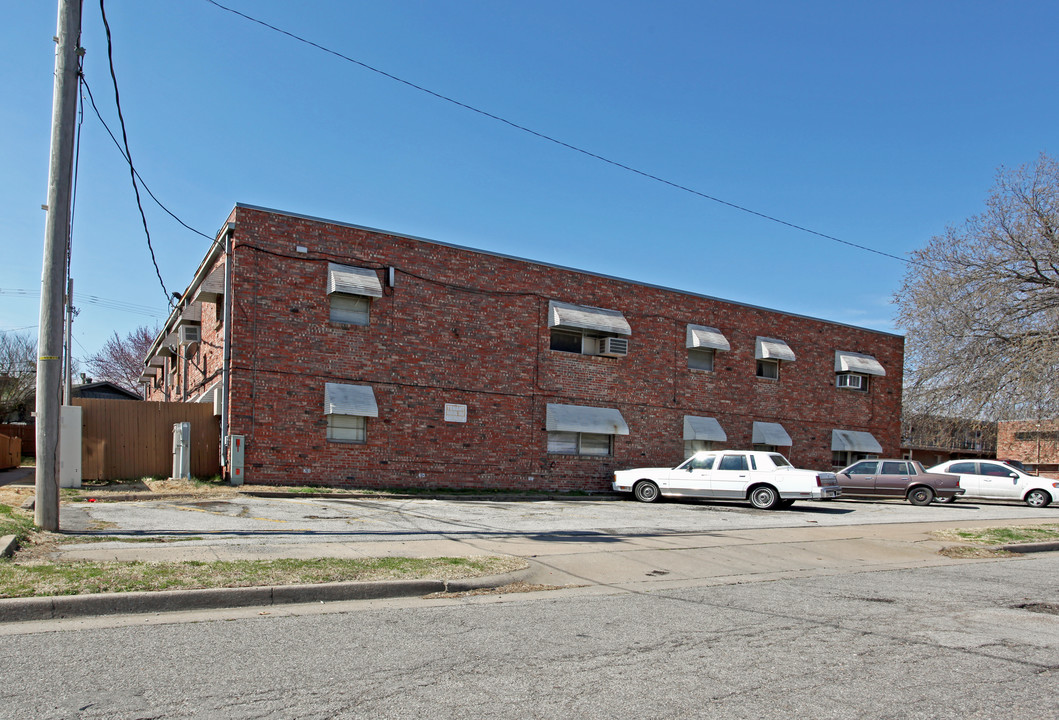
(980, 305)
(18, 375)
(121, 359)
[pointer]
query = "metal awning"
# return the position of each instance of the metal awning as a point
(579, 418)
(212, 288)
(772, 349)
(854, 441)
(191, 314)
(581, 317)
(352, 280)
(857, 363)
(766, 433)
(342, 399)
(701, 336)
(703, 428)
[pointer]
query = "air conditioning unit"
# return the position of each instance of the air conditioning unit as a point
(190, 334)
(614, 347)
(851, 381)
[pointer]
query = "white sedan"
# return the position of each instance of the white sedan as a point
(994, 480)
(766, 479)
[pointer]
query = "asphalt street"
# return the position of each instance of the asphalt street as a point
(973, 640)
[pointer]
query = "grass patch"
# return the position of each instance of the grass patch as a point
(15, 522)
(77, 578)
(1001, 535)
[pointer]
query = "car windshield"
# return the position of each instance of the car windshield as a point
(698, 461)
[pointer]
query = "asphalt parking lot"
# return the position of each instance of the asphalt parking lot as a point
(300, 520)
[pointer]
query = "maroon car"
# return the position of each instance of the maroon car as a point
(897, 479)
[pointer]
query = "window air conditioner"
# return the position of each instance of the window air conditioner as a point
(851, 381)
(189, 334)
(614, 347)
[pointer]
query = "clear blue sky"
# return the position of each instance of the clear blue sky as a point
(878, 123)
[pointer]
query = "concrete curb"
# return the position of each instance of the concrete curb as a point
(8, 545)
(117, 496)
(67, 606)
(1047, 546)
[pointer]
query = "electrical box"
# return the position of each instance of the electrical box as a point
(182, 450)
(237, 453)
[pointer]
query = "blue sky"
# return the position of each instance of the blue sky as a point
(877, 123)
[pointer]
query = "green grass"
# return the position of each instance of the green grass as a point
(15, 522)
(77, 578)
(1003, 535)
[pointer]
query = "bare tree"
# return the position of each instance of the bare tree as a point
(18, 375)
(120, 361)
(980, 305)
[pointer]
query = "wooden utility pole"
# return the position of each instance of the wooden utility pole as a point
(53, 276)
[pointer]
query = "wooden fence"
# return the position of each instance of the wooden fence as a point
(10, 452)
(26, 432)
(127, 439)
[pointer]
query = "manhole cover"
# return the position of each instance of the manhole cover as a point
(1046, 608)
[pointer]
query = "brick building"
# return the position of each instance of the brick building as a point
(349, 356)
(1034, 443)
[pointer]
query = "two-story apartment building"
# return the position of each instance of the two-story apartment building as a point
(348, 356)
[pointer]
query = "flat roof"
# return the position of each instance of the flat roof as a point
(555, 266)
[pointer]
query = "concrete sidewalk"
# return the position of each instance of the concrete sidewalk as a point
(614, 562)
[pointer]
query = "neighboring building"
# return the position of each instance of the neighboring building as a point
(358, 357)
(1034, 443)
(933, 439)
(104, 389)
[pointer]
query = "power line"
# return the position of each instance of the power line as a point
(94, 300)
(128, 153)
(556, 141)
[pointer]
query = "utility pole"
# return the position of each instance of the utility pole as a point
(53, 280)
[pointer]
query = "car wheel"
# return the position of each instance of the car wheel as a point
(921, 496)
(645, 491)
(765, 497)
(1037, 498)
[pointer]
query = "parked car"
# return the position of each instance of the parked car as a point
(994, 480)
(766, 479)
(897, 479)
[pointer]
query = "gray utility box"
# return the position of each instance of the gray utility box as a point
(182, 450)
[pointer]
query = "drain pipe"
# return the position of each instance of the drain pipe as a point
(226, 359)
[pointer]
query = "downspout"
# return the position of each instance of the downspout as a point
(226, 353)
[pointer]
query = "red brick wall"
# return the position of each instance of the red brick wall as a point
(1031, 442)
(471, 328)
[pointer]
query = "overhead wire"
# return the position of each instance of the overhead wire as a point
(549, 138)
(128, 154)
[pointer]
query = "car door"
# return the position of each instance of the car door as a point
(730, 477)
(892, 479)
(692, 477)
(860, 478)
(996, 479)
(970, 480)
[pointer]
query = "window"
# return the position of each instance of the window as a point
(962, 467)
(347, 428)
(842, 458)
(700, 359)
(350, 290)
(700, 463)
(350, 309)
(347, 408)
(733, 462)
(852, 381)
(579, 443)
(897, 468)
(768, 369)
(995, 470)
(587, 330)
(864, 468)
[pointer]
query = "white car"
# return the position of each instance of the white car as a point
(766, 479)
(994, 480)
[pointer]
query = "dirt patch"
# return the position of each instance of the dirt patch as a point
(974, 552)
(510, 588)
